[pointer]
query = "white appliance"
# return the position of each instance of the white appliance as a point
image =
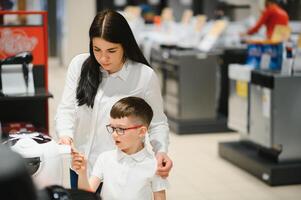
(43, 156)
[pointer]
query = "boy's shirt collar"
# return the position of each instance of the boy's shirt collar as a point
(138, 157)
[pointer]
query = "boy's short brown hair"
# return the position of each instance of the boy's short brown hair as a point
(132, 107)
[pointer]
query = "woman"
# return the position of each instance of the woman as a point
(114, 68)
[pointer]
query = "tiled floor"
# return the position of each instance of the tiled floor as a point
(198, 173)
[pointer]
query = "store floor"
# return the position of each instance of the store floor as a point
(198, 172)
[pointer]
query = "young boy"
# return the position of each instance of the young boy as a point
(128, 172)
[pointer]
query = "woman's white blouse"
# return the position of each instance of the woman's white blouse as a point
(87, 126)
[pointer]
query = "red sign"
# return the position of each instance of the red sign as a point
(14, 40)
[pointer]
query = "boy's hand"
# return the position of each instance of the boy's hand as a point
(79, 162)
(164, 164)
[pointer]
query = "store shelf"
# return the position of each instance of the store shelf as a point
(28, 107)
(40, 93)
(245, 156)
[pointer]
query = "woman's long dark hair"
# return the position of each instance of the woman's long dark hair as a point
(112, 27)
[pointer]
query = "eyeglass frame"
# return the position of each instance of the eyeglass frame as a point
(121, 131)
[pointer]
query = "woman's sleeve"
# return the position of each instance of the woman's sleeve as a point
(159, 130)
(65, 116)
(159, 184)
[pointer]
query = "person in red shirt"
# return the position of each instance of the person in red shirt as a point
(272, 15)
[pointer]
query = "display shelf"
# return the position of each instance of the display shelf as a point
(245, 155)
(40, 93)
(29, 107)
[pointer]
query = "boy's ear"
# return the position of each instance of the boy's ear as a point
(143, 131)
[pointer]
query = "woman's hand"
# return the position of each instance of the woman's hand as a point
(66, 140)
(79, 162)
(164, 164)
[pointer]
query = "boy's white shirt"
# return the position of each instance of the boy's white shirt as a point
(128, 177)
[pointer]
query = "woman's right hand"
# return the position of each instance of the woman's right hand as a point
(66, 140)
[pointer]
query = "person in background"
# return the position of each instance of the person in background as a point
(114, 68)
(272, 15)
(128, 172)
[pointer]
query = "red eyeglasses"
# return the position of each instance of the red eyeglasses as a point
(120, 131)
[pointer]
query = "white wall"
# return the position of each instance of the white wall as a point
(77, 20)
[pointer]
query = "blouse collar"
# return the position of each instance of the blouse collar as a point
(122, 73)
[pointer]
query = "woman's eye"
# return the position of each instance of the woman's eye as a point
(112, 51)
(97, 50)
